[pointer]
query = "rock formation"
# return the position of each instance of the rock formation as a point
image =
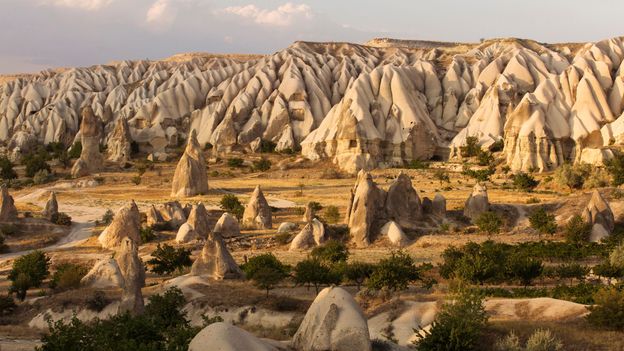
(126, 224)
(598, 213)
(438, 206)
(186, 234)
(313, 234)
(402, 202)
(215, 261)
(309, 213)
(366, 212)
(227, 226)
(51, 207)
(190, 177)
(334, 321)
(196, 226)
(8, 212)
(173, 213)
(119, 142)
(133, 272)
(154, 217)
(286, 227)
(477, 202)
(226, 337)
(393, 232)
(91, 160)
(104, 274)
(257, 213)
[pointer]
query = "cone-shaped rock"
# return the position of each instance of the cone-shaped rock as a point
(313, 234)
(215, 261)
(477, 202)
(366, 209)
(598, 213)
(91, 159)
(309, 214)
(119, 142)
(133, 272)
(257, 212)
(154, 218)
(8, 212)
(126, 224)
(51, 207)
(198, 219)
(173, 213)
(402, 203)
(334, 322)
(438, 206)
(227, 226)
(190, 177)
(104, 274)
(393, 232)
(226, 337)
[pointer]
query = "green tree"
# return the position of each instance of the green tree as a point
(615, 167)
(571, 271)
(489, 222)
(543, 222)
(34, 163)
(471, 148)
(231, 204)
(480, 175)
(395, 273)
(266, 271)
(332, 214)
(312, 272)
(524, 182)
(525, 268)
(357, 272)
(577, 231)
(571, 176)
(484, 158)
(167, 259)
(262, 165)
(28, 271)
(608, 309)
(6, 169)
(616, 257)
(235, 162)
(331, 252)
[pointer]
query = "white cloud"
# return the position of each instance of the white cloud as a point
(161, 14)
(282, 16)
(89, 5)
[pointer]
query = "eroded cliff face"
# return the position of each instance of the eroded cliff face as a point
(362, 106)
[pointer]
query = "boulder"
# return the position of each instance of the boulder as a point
(402, 202)
(190, 177)
(286, 227)
(198, 220)
(51, 207)
(438, 206)
(226, 337)
(8, 212)
(215, 261)
(366, 209)
(133, 272)
(257, 213)
(126, 224)
(119, 142)
(227, 226)
(186, 234)
(334, 322)
(598, 213)
(393, 232)
(91, 160)
(313, 234)
(104, 274)
(477, 202)
(154, 218)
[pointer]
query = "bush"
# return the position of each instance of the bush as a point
(267, 146)
(395, 273)
(41, 177)
(167, 259)
(67, 276)
(107, 217)
(457, 327)
(97, 302)
(313, 272)
(235, 162)
(28, 271)
(615, 167)
(75, 150)
(471, 148)
(525, 268)
(476, 263)
(481, 175)
(7, 305)
(608, 310)
(571, 176)
(136, 180)
(489, 222)
(357, 272)
(262, 165)
(543, 222)
(417, 164)
(230, 203)
(331, 252)
(283, 238)
(484, 158)
(616, 257)
(442, 176)
(35, 163)
(266, 271)
(571, 271)
(6, 169)
(147, 234)
(524, 182)
(61, 218)
(540, 340)
(332, 214)
(597, 178)
(577, 231)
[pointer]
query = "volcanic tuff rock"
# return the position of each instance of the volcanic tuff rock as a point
(598, 213)
(133, 272)
(8, 212)
(190, 177)
(104, 274)
(438, 206)
(309, 214)
(173, 213)
(91, 160)
(51, 207)
(119, 144)
(227, 226)
(402, 202)
(257, 213)
(393, 232)
(126, 224)
(313, 234)
(366, 209)
(215, 261)
(154, 217)
(335, 322)
(226, 337)
(477, 202)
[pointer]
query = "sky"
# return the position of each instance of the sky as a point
(40, 34)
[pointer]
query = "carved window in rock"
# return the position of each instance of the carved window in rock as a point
(140, 123)
(214, 98)
(297, 114)
(353, 144)
(297, 96)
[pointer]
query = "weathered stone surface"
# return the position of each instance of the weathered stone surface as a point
(8, 212)
(438, 206)
(119, 142)
(366, 209)
(173, 213)
(154, 217)
(286, 227)
(104, 274)
(313, 234)
(133, 272)
(126, 224)
(215, 261)
(309, 213)
(91, 160)
(393, 232)
(186, 234)
(477, 202)
(257, 213)
(598, 213)
(226, 337)
(227, 226)
(402, 203)
(51, 207)
(190, 177)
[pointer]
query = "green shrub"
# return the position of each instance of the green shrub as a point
(357, 272)
(331, 252)
(543, 340)
(312, 272)
(147, 234)
(543, 222)
(597, 178)
(28, 271)
(481, 175)
(61, 218)
(571, 271)
(107, 217)
(6, 169)
(489, 222)
(262, 165)
(230, 203)
(7, 305)
(571, 176)
(136, 180)
(524, 268)
(417, 164)
(97, 302)
(442, 176)
(332, 214)
(35, 163)
(608, 310)
(616, 257)
(458, 326)
(266, 271)
(67, 276)
(75, 150)
(167, 259)
(524, 182)
(41, 177)
(267, 146)
(235, 162)
(471, 148)
(615, 167)
(395, 273)
(484, 158)
(577, 231)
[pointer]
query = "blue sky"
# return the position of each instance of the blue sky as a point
(36, 34)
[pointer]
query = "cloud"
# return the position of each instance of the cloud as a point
(282, 16)
(161, 14)
(90, 5)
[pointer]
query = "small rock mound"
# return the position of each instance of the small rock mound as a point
(104, 274)
(133, 272)
(190, 177)
(119, 142)
(8, 212)
(91, 159)
(477, 202)
(257, 213)
(226, 337)
(227, 226)
(393, 232)
(51, 207)
(438, 206)
(215, 261)
(334, 322)
(598, 213)
(126, 224)
(313, 234)
(286, 227)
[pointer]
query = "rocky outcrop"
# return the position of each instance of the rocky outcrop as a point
(402, 203)
(477, 202)
(104, 274)
(226, 337)
(438, 206)
(313, 234)
(190, 177)
(173, 213)
(154, 217)
(51, 207)
(286, 227)
(257, 213)
(8, 212)
(309, 213)
(227, 226)
(394, 234)
(334, 321)
(366, 212)
(196, 226)
(186, 234)
(126, 224)
(91, 160)
(133, 272)
(598, 213)
(215, 261)
(119, 144)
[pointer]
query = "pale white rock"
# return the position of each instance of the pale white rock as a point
(190, 177)
(286, 227)
(215, 261)
(393, 232)
(133, 272)
(598, 213)
(227, 226)
(226, 337)
(51, 207)
(186, 234)
(104, 274)
(8, 211)
(313, 234)
(257, 213)
(126, 224)
(477, 202)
